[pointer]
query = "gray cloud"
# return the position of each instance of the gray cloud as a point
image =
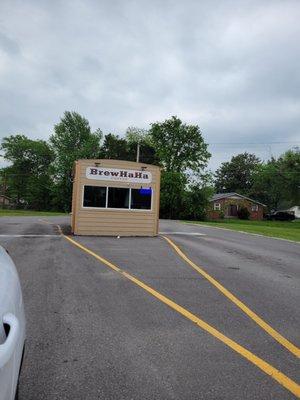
(232, 67)
(8, 45)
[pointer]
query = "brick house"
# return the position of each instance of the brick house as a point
(227, 205)
(5, 200)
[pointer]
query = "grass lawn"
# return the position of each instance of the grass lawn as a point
(279, 229)
(28, 213)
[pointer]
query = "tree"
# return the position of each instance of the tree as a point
(268, 185)
(182, 152)
(28, 179)
(289, 170)
(118, 148)
(277, 182)
(237, 175)
(172, 194)
(115, 148)
(137, 137)
(72, 140)
(179, 147)
(196, 202)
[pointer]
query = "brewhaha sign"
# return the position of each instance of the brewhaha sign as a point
(116, 174)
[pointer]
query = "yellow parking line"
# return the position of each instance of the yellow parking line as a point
(268, 369)
(264, 325)
(44, 221)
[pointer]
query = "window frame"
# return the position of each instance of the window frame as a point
(256, 207)
(94, 208)
(140, 209)
(217, 206)
(116, 209)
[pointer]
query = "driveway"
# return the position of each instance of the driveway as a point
(95, 332)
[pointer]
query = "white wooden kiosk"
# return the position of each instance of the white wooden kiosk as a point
(113, 197)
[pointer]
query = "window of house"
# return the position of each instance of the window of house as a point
(94, 196)
(118, 197)
(254, 207)
(217, 206)
(141, 199)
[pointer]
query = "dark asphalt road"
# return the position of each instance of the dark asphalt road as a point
(92, 334)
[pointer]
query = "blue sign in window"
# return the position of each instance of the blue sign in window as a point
(145, 191)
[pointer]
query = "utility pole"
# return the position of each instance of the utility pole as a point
(138, 152)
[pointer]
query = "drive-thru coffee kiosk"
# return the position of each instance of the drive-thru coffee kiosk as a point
(112, 198)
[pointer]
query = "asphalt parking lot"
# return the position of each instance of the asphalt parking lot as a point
(95, 332)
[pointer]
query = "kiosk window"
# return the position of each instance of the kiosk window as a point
(94, 196)
(118, 197)
(141, 199)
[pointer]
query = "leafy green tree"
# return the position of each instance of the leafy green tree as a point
(289, 170)
(118, 148)
(277, 182)
(182, 152)
(237, 175)
(196, 202)
(28, 179)
(172, 194)
(140, 137)
(179, 147)
(72, 140)
(115, 148)
(268, 185)
(137, 135)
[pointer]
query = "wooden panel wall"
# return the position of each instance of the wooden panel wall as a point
(113, 222)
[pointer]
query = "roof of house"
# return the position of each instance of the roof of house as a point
(219, 196)
(6, 197)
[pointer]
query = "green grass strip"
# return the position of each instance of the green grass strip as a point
(289, 230)
(29, 213)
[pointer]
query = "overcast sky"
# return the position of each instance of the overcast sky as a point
(232, 67)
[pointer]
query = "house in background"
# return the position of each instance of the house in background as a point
(227, 205)
(5, 201)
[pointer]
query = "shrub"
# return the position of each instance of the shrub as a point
(243, 213)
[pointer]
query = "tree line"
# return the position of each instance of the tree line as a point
(40, 173)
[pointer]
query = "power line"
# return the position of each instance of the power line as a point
(251, 143)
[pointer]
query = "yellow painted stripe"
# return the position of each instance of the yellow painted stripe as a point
(268, 369)
(264, 325)
(44, 221)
